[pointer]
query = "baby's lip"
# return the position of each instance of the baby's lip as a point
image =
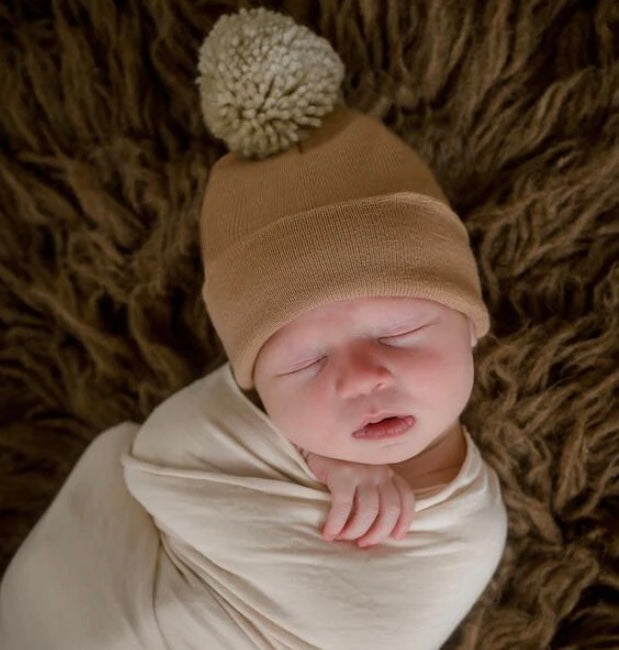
(388, 428)
(377, 417)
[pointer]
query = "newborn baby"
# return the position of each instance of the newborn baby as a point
(198, 528)
(332, 370)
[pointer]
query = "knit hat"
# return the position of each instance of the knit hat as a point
(315, 202)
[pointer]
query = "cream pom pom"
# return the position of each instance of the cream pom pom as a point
(263, 78)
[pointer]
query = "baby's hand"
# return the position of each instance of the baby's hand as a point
(383, 501)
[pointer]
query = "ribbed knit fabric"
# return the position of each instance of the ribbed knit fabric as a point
(350, 212)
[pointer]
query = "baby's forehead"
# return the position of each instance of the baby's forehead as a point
(373, 307)
(347, 315)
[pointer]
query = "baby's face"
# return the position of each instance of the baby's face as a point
(323, 373)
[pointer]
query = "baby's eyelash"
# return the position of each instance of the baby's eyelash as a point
(395, 336)
(309, 365)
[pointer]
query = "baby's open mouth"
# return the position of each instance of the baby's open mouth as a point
(387, 428)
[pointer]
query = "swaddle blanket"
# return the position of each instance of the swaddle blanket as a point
(213, 541)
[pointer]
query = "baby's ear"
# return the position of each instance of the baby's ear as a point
(473, 335)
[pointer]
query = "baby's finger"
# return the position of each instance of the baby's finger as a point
(342, 501)
(390, 507)
(366, 504)
(407, 510)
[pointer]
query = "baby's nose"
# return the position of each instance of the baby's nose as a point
(360, 370)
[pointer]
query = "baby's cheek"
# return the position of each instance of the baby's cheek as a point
(291, 413)
(456, 378)
(310, 420)
(426, 371)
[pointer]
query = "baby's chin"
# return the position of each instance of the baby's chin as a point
(386, 452)
(375, 452)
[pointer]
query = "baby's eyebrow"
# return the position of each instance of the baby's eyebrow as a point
(303, 352)
(411, 319)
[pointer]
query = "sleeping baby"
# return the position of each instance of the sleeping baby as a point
(317, 491)
(370, 391)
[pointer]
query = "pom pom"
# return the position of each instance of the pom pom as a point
(264, 79)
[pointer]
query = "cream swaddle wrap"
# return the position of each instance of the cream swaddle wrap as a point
(238, 561)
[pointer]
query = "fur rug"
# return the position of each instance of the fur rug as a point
(515, 105)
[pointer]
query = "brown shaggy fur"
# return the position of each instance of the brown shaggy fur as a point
(516, 107)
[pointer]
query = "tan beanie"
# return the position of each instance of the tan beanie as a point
(297, 217)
